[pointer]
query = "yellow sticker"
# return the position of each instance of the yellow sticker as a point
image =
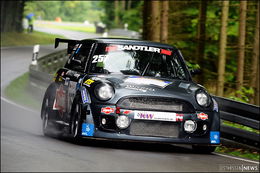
(89, 81)
(54, 77)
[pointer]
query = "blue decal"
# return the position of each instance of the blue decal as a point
(168, 82)
(134, 77)
(78, 84)
(78, 48)
(87, 129)
(214, 137)
(84, 96)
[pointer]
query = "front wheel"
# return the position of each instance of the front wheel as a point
(203, 149)
(76, 118)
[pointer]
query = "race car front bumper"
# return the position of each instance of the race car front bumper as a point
(152, 126)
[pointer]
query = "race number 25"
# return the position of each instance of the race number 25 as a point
(98, 58)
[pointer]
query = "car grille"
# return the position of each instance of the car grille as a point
(155, 103)
(156, 129)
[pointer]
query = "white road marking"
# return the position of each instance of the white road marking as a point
(237, 158)
(17, 105)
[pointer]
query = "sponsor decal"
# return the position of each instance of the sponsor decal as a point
(202, 116)
(87, 129)
(71, 93)
(137, 88)
(166, 52)
(60, 79)
(147, 81)
(179, 117)
(126, 112)
(60, 101)
(184, 85)
(88, 82)
(214, 137)
(111, 48)
(107, 110)
(85, 96)
(77, 75)
(78, 85)
(78, 48)
(67, 81)
(159, 116)
(99, 58)
(137, 47)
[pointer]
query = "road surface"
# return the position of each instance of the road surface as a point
(25, 149)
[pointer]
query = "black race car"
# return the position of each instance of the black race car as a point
(129, 90)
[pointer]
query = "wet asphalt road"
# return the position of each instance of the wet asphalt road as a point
(25, 149)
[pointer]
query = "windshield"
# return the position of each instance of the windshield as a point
(137, 60)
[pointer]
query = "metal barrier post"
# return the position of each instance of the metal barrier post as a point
(36, 49)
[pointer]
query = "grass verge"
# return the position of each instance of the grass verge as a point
(21, 39)
(17, 91)
(71, 28)
(239, 152)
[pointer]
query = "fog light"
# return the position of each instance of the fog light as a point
(190, 126)
(122, 122)
(103, 121)
(204, 127)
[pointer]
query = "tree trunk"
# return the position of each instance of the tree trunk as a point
(11, 16)
(129, 3)
(222, 49)
(164, 20)
(201, 38)
(255, 61)
(123, 5)
(257, 91)
(154, 34)
(146, 19)
(241, 44)
(116, 6)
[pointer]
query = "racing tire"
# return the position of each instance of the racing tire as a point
(76, 118)
(203, 149)
(48, 114)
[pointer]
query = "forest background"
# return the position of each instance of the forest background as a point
(219, 37)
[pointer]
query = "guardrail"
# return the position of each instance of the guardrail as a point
(240, 113)
(41, 74)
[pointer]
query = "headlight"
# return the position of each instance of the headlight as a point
(202, 98)
(104, 91)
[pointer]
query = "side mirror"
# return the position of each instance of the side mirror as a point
(194, 72)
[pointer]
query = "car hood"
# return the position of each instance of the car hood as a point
(150, 86)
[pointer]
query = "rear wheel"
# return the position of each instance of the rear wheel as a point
(203, 149)
(48, 115)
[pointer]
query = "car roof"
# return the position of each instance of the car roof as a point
(130, 41)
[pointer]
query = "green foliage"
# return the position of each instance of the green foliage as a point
(239, 152)
(10, 38)
(245, 93)
(183, 30)
(192, 65)
(77, 11)
(132, 16)
(239, 126)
